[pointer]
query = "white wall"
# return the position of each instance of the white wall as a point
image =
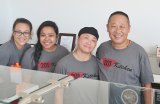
(72, 15)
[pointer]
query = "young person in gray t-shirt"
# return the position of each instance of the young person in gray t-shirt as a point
(122, 60)
(81, 63)
(46, 53)
(12, 51)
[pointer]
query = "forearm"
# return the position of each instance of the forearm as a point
(147, 93)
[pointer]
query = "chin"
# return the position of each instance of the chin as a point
(88, 52)
(117, 42)
(22, 44)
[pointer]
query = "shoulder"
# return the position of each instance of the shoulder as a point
(30, 51)
(138, 47)
(103, 47)
(7, 44)
(62, 49)
(135, 48)
(27, 46)
(66, 58)
(105, 43)
(6, 47)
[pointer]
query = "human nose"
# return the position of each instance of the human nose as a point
(89, 42)
(118, 29)
(46, 37)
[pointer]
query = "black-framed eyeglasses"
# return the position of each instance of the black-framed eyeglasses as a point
(19, 33)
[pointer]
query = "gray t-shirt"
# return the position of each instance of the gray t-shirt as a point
(47, 61)
(10, 55)
(71, 66)
(127, 66)
(124, 94)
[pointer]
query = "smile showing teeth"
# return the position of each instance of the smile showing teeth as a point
(46, 43)
(21, 40)
(117, 36)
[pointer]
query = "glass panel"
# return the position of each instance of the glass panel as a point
(15, 80)
(79, 91)
(87, 91)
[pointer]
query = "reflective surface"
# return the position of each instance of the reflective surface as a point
(87, 91)
(79, 91)
(14, 80)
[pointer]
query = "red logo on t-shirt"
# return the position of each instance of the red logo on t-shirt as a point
(45, 65)
(75, 74)
(107, 62)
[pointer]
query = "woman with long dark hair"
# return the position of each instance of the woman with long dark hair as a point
(46, 52)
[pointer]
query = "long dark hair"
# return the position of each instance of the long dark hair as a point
(38, 46)
(21, 20)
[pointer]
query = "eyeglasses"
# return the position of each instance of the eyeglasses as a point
(19, 33)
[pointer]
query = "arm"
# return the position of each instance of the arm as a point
(60, 69)
(58, 98)
(147, 93)
(27, 60)
(146, 77)
(4, 57)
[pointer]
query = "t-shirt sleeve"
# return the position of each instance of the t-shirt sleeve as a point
(146, 72)
(66, 52)
(4, 57)
(99, 51)
(60, 68)
(27, 60)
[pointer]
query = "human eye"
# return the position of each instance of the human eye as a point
(52, 35)
(122, 26)
(86, 37)
(94, 40)
(113, 26)
(18, 32)
(42, 35)
(26, 33)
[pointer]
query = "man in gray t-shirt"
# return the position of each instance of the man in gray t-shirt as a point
(127, 66)
(81, 63)
(122, 60)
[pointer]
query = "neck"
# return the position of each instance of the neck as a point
(81, 56)
(19, 47)
(52, 49)
(122, 46)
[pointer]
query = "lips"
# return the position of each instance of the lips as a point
(22, 40)
(118, 35)
(88, 47)
(46, 43)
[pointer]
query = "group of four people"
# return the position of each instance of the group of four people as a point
(118, 60)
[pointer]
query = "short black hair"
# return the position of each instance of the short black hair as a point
(90, 30)
(119, 13)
